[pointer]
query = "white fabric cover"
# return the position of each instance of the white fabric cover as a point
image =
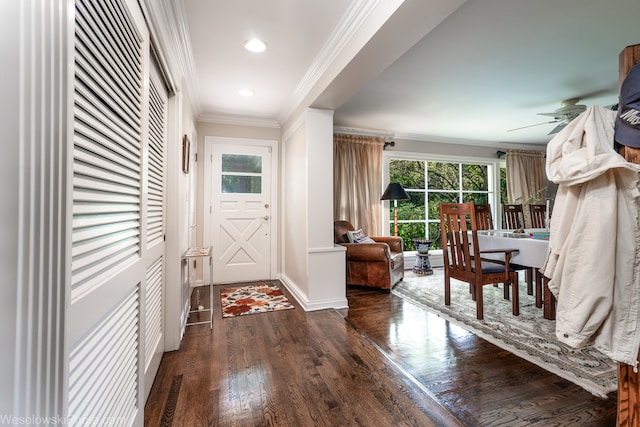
(593, 259)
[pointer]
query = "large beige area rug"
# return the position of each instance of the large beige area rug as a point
(529, 335)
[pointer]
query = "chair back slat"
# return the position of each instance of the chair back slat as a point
(484, 217)
(512, 217)
(456, 221)
(536, 215)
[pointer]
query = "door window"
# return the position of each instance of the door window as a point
(241, 174)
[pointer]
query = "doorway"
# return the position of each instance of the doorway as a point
(240, 189)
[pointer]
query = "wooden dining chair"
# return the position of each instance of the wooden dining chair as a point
(512, 217)
(484, 216)
(537, 214)
(463, 258)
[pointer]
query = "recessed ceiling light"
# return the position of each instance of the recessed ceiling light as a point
(255, 45)
(246, 92)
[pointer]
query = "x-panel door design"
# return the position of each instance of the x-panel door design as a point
(240, 212)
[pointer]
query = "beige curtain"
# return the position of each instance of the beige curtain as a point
(357, 181)
(526, 176)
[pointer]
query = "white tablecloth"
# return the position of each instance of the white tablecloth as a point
(533, 252)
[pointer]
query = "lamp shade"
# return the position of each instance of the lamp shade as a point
(394, 191)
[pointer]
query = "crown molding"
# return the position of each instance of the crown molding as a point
(175, 13)
(224, 119)
(365, 132)
(472, 142)
(438, 139)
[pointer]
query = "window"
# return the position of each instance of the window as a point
(429, 183)
(241, 174)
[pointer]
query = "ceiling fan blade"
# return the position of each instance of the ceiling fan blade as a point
(555, 115)
(530, 126)
(557, 128)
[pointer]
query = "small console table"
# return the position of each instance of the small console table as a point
(202, 253)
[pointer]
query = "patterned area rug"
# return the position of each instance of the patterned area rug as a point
(253, 299)
(528, 336)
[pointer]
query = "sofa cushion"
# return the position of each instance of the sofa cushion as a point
(357, 236)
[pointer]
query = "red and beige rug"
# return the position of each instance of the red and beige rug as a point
(253, 299)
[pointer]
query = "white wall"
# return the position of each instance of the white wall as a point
(487, 151)
(295, 210)
(314, 268)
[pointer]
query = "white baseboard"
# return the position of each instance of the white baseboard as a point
(304, 302)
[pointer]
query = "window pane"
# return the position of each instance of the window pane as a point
(443, 176)
(409, 173)
(434, 202)
(408, 232)
(410, 209)
(475, 177)
(503, 186)
(478, 198)
(241, 184)
(434, 235)
(241, 163)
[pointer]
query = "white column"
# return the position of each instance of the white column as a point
(326, 261)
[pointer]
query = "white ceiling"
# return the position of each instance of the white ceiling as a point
(490, 66)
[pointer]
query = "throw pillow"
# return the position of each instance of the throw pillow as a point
(357, 236)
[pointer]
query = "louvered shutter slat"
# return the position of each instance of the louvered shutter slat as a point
(107, 142)
(86, 271)
(89, 108)
(99, 25)
(99, 168)
(105, 230)
(114, 340)
(155, 172)
(88, 182)
(105, 242)
(93, 60)
(153, 321)
(92, 81)
(80, 221)
(118, 145)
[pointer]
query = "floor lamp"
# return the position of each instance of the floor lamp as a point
(395, 192)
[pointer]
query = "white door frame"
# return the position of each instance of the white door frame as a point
(209, 141)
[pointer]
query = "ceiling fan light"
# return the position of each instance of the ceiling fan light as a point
(255, 45)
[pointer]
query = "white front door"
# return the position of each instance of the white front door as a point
(240, 212)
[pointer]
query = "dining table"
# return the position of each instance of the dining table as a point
(532, 245)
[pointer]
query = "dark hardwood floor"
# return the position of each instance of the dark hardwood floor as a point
(483, 385)
(382, 362)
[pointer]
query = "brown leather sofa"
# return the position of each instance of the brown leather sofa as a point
(379, 264)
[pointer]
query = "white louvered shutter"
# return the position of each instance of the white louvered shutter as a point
(155, 171)
(108, 271)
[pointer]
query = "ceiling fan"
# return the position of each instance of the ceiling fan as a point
(569, 110)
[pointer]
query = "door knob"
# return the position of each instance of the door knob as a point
(266, 217)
